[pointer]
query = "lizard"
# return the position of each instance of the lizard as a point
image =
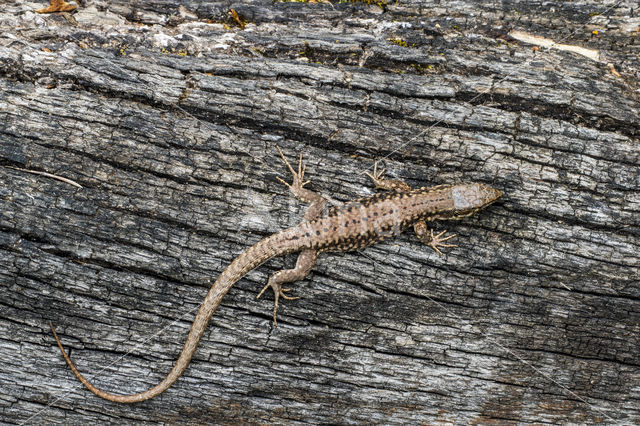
(352, 226)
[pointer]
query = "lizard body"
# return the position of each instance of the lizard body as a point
(353, 226)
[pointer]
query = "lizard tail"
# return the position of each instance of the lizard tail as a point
(250, 259)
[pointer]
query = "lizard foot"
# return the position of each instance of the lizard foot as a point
(438, 240)
(298, 177)
(387, 184)
(278, 291)
(376, 176)
(318, 202)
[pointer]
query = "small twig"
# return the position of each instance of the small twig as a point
(60, 178)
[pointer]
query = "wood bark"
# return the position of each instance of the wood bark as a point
(168, 115)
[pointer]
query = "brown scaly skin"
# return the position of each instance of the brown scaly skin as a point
(353, 226)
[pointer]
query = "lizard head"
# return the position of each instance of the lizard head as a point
(469, 198)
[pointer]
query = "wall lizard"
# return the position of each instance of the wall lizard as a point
(349, 227)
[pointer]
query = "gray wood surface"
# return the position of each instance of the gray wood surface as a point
(168, 115)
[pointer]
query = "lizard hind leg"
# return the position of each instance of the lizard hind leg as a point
(305, 263)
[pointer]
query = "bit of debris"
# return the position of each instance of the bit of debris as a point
(613, 70)
(57, 6)
(547, 42)
(241, 22)
(49, 175)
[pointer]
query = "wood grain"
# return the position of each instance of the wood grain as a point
(168, 113)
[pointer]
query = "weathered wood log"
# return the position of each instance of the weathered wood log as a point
(167, 115)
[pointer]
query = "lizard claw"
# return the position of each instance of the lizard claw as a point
(298, 177)
(376, 176)
(388, 184)
(436, 241)
(277, 291)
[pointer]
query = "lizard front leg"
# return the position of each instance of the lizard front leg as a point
(434, 241)
(387, 184)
